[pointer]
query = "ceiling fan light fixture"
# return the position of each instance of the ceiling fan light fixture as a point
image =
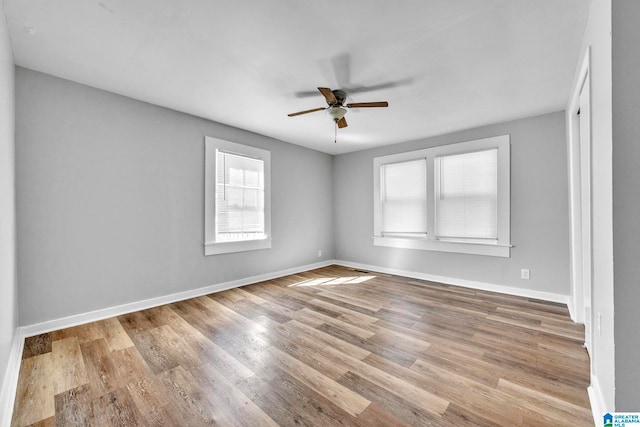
(336, 112)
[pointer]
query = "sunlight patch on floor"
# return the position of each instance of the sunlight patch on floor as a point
(326, 281)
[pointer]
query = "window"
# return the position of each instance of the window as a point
(452, 198)
(467, 196)
(237, 197)
(404, 198)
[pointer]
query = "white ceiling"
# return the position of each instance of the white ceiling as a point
(443, 65)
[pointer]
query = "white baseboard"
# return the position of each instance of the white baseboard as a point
(10, 383)
(571, 307)
(598, 407)
(92, 316)
(528, 293)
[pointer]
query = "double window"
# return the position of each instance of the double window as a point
(237, 197)
(452, 198)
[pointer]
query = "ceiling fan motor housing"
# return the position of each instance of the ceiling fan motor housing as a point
(341, 97)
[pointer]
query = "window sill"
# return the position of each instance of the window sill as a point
(213, 248)
(503, 251)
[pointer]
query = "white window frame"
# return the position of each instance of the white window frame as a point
(211, 246)
(500, 248)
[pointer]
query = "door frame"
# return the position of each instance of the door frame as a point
(580, 211)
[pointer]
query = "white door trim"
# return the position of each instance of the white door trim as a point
(580, 207)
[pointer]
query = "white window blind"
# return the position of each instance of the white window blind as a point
(467, 196)
(239, 207)
(404, 198)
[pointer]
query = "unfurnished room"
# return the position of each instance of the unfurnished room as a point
(295, 213)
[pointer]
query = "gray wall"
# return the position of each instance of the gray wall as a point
(626, 200)
(8, 291)
(539, 210)
(110, 201)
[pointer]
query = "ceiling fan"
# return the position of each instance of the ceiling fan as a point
(335, 99)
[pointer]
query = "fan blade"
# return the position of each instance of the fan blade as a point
(328, 94)
(380, 86)
(306, 93)
(342, 123)
(368, 104)
(306, 111)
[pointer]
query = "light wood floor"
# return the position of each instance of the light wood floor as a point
(330, 347)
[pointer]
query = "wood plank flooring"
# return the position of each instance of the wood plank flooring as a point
(329, 347)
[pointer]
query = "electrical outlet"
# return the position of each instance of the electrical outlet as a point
(524, 274)
(319, 253)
